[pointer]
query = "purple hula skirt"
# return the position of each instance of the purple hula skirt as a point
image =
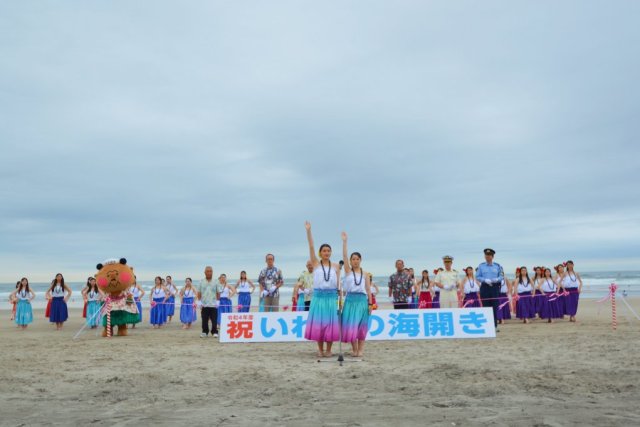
(436, 300)
(505, 311)
(59, 312)
(537, 302)
(571, 302)
(525, 307)
(550, 307)
(475, 297)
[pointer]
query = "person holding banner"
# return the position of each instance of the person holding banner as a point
(447, 281)
(358, 303)
(322, 322)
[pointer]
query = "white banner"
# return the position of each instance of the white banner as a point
(429, 324)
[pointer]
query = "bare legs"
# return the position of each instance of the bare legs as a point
(322, 352)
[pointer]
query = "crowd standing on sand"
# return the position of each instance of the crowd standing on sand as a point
(548, 295)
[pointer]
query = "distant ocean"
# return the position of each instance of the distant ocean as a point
(595, 286)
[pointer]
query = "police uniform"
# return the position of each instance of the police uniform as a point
(449, 281)
(490, 277)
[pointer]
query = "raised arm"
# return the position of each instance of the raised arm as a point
(345, 254)
(312, 251)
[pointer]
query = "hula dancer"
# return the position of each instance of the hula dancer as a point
(187, 307)
(572, 282)
(537, 294)
(137, 292)
(550, 308)
(158, 298)
(558, 280)
(226, 293)
(425, 299)
(23, 297)
(322, 323)
(244, 289)
(504, 313)
(93, 297)
(374, 291)
(471, 289)
(358, 303)
(171, 302)
(59, 293)
(13, 301)
(525, 307)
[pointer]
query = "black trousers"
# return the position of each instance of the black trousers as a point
(400, 305)
(307, 304)
(209, 313)
(489, 296)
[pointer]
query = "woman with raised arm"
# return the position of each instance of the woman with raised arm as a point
(358, 304)
(322, 322)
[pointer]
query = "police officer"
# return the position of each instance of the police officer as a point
(490, 275)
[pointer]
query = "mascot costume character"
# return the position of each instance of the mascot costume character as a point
(114, 278)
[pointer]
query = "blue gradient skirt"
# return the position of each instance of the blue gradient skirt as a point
(322, 322)
(355, 317)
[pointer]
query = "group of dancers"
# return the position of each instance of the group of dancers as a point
(321, 288)
(546, 296)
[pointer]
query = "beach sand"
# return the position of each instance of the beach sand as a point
(531, 375)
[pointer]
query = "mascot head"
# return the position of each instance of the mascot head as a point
(114, 276)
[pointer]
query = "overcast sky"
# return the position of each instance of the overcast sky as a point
(181, 134)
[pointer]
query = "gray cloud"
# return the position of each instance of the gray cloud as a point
(208, 133)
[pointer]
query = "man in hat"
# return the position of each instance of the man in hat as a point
(447, 281)
(490, 275)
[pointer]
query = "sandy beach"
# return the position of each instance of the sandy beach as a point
(537, 375)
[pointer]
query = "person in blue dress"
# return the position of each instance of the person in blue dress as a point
(187, 307)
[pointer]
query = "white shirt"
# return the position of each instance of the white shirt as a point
(471, 286)
(548, 285)
(244, 286)
(524, 287)
(319, 277)
(355, 285)
(58, 291)
(570, 281)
